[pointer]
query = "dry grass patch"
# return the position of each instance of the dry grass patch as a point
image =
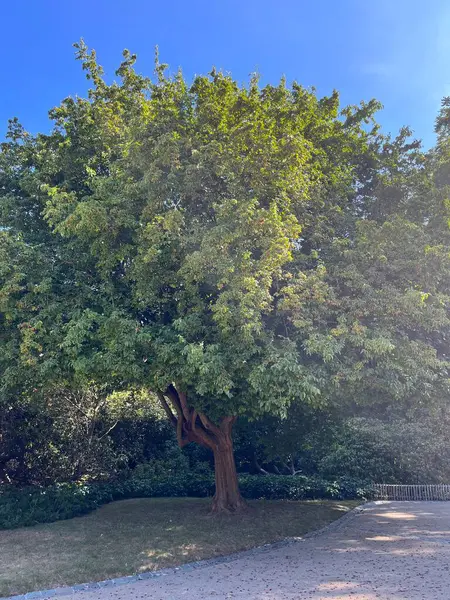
(132, 536)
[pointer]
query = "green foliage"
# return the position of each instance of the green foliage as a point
(397, 451)
(172, 463)
(30, 506)
(285, 487)
(168, 225)
(291, 445)
(255, 248)
(255, 245)
(88, 435)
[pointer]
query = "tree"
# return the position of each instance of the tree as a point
(291, 445)
(202, 241)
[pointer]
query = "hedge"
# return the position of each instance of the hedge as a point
(29, 506)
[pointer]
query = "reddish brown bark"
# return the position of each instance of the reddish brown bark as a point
(227, 498)
(192, 426)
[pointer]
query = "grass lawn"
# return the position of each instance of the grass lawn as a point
(132, 536)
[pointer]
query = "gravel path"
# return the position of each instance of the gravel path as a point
(387, 551)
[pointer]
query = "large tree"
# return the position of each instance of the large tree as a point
(202, 241)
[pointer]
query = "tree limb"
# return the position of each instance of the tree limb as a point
(226, 424)
(173, 396)
(194, 416)
(108, 431)
(209, 425)
(258, 466)
(166, 407)
(182, 441)
(206, 438)
(186, 421)
(285, 466)
(294, 471)
(183, 401)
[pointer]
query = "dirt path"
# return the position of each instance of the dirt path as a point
(388, 551)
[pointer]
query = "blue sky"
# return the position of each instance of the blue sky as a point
(397, 51)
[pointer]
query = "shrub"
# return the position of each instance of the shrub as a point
(172, 464)
(399, 451)
(285, 487)
(30, 506)
(42, 505)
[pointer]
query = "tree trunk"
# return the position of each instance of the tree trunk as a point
(193, 426)
(227, 498)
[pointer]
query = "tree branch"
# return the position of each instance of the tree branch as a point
(183, 401)
(285, 466)
(258, 466)
(166, 407)
(182, 441)
(108, 431)
(173, 396)
(186, 421)
(194, 416)
(294, 471)
(206, 438)
(209, 425)
(67, 399)
(226, 424)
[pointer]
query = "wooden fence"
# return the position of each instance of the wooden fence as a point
(383, 491)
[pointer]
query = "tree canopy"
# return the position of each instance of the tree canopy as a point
(233, 249)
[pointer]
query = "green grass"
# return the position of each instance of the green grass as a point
(138, 535)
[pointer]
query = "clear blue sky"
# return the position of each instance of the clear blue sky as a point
(395, 50)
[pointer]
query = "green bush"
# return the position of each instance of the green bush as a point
(399, 451)
(30, 506)
(286, 487)
(172, 464)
